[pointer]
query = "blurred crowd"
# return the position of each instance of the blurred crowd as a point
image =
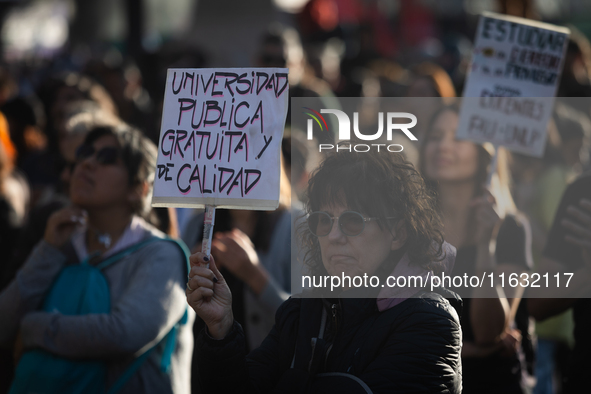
(333, 49)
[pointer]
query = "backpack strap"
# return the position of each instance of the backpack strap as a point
(126, 252)
(170, 339)
(137, 363)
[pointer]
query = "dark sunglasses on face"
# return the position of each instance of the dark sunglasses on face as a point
(351, 223)
(106, 155)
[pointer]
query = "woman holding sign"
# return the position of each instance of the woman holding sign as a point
(474, 216)
(368, 215)
(253, 250)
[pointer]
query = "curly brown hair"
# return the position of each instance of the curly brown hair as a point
(382, 185)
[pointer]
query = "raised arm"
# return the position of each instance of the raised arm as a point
(493, 309)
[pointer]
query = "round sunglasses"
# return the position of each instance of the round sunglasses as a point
(106, 155)
(351, 223)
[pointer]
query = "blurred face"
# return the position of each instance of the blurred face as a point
(354, 255)
(448, 159)
(100, 179)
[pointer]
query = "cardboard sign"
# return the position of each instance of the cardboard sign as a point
(509, 93)
(220, 138)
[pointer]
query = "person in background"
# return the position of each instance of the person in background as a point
(110, 190)
(427, 80)
(26, 121)
(430, 80)
(575, 80)
(14, 201)
(11, 221)
(16, 188)
(80, 118)
(539, 186)
(474, 215)
(568, 254)
(281, 47)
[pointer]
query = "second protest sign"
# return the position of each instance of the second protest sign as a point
(514, 74)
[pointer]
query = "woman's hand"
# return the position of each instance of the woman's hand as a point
(507, 345)
(510, 342)
(487, 218)
(578, 225)
(209, 295)
(235, 252)
(61, 224)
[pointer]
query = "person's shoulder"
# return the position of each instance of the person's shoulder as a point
(287, 317)
(428, 306)
(157, 243)
(168, 244)
(288, 309)
(427, 323)
(139, 224)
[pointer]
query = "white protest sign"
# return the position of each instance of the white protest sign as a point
(514, 74)
(220, 138)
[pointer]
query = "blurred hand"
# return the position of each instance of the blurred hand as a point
(61, 225)
(510, 342)
(234, 251)
(578, 226)
(487, 218)
(507, 345)
(209, 295)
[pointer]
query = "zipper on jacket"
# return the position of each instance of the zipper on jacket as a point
(335, 318)
(335, 311)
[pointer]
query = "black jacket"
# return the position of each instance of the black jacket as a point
(413, 347)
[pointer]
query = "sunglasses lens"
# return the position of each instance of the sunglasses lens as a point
(320, 223)
(84, 152)
(351, 223)
(107, 155)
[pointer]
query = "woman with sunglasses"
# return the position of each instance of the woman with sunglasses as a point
(368, 214)
(109, 190)
(476, 216)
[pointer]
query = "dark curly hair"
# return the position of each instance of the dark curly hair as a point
(377, 184)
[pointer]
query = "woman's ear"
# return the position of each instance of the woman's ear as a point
(398, 236)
